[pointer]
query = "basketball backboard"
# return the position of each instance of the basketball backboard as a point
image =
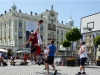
(90, 23)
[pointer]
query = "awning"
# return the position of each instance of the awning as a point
(27, 51)
(3, 50)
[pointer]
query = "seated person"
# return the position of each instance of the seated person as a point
(25, 57)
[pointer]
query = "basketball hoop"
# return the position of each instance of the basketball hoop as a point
(87, 28)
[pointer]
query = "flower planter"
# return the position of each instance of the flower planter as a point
(98, 62)
(71, 62)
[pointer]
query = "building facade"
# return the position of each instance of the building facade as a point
(13, 27)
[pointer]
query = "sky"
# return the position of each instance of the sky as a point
(65, 8)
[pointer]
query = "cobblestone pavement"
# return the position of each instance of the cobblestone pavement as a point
(38, 70)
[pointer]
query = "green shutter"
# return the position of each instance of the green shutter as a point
(16, 40)
(15, 26)
(25, 27)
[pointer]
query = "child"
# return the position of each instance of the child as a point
(45, 56)
(25, 57)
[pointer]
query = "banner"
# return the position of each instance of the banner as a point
(74, 45)
(84, 37)
(32, 27)
(94, 34)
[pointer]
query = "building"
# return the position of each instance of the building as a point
(90, 28)
(13, 27)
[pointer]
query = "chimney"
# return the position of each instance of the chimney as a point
(1, 14)
(31, 12)
(20, 11)
(35, 13)
(9, 10)
(52, 7)
(5, 11)
(46, 9)
(62, 22)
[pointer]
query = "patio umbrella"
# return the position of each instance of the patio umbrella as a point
(3, 50)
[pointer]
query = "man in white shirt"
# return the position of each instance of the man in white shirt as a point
(83, 57)
(45, 55)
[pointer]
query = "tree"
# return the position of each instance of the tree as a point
(97, 40)
(66, 44)
(73, 34)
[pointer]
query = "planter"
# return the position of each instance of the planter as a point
(71, 62)
(98, 62)
(68, 62)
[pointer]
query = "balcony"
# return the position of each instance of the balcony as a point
(89, 46)
(8, 36)
(20, 37)
(4, 38)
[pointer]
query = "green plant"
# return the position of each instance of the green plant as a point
(73, 34)
(97, 40)
(11, 52)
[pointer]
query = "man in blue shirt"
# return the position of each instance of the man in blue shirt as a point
(50, 57)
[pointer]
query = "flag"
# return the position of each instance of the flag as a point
(74, 45)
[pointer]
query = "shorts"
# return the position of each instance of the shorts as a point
(82, 61)
(33, 49)
(45, 61)
(50, 60)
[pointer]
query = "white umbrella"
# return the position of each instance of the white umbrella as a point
(27, 51)
(3, 50)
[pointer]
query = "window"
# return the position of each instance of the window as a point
(41, 37)
(62, 32)
(1, 35)
(5, 34)
(9, 24)
(9, 33)
(1, 27)
(20, 34)
(20, 24)
(88, 50)
(90, 36)
(54, 27)
(41, 28)
(5, 26)
(89, 42)
(57, 31)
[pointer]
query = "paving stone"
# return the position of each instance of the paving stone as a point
(38, 70)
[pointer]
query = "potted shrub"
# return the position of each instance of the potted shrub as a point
(98, 62)
(71, 61)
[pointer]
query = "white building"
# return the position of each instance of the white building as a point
(13, 27)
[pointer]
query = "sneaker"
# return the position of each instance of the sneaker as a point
(55, 72)
(79, 73)
(83, 72)
(44, 69)
(38, 63)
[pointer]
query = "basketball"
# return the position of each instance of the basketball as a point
(40, 21)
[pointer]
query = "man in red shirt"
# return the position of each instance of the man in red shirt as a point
(33, 40)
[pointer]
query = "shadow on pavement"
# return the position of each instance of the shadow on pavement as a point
(93, 67)
(44, 73)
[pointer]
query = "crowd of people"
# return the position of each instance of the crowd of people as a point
(49, 52)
